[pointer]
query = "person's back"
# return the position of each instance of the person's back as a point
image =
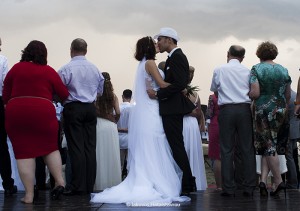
(108, 171)
(33, 80)
(231, 81)
(271, 78)
(84, 81)
(234, 82)
(124, 115)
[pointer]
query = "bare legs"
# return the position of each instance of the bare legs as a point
(53, 161)
(217, 174)
(270, 163)
(26, 168)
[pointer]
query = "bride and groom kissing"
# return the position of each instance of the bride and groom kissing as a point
(159, 169)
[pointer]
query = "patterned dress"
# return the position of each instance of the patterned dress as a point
(270, 108)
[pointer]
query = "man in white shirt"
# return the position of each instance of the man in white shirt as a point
(5, 162)
(231, 81)
(125, 108)
(84, 81)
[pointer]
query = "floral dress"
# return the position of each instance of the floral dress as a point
(270, 113)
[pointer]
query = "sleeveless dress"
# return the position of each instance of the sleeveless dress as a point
(193, 147)
(154, 178)
(108, 172)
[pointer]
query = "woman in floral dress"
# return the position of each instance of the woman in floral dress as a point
(270, 89)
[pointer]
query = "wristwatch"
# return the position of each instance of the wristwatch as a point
(155, 94)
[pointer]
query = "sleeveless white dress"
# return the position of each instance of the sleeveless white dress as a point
(154, 178)
(108, 171)
(193, 147)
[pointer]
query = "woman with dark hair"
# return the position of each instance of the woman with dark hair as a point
(31, 122)
(108, 172)
(154, 177)
(270, 90)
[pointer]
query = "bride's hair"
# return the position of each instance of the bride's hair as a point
(145, 47)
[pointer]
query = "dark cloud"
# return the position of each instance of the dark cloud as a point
(199, 20)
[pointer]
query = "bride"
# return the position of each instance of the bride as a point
(154, 178)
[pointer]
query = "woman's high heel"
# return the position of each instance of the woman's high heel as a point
(56, 192)
(263, 189)
(280, 187)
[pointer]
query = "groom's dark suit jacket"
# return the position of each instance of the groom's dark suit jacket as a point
(171, 100)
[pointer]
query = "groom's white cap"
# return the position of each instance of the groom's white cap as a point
(167, 32)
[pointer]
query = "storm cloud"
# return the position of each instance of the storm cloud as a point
(196, 20)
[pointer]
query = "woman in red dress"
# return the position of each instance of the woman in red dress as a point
(213, 134)
(31, 122)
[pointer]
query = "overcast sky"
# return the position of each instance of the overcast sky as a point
(111, 28)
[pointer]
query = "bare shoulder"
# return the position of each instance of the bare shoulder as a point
(150, 66)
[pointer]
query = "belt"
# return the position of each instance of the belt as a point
(28, 97)
(235, 105)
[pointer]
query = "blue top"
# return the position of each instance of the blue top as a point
(83, 80)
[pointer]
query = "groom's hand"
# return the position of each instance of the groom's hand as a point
(152, 93)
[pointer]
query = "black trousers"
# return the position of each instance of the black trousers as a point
(236, 133)
(5, 163)
(173, 126)
(80, 129)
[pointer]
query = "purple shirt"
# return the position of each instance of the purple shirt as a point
(83, 80)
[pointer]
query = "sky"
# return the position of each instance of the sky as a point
(207, 28)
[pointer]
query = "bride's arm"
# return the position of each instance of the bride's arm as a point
(152, 70)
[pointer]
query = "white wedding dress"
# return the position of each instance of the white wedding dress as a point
(154, 179)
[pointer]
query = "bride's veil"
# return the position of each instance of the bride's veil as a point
(147, 143)
(138, 122)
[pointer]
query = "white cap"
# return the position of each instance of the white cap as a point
(167, 32)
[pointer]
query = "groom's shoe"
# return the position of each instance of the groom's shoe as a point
(10, 191)
(185, 193)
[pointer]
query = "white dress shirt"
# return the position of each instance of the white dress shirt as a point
(3, 71)
(231, 81)
(125, 108)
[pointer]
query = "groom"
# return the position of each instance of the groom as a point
(173, 105)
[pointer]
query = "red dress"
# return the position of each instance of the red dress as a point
(30, 118)
(213, 129)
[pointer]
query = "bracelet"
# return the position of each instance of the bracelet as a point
(296, 103)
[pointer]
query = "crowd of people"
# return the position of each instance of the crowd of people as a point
(148, 148)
